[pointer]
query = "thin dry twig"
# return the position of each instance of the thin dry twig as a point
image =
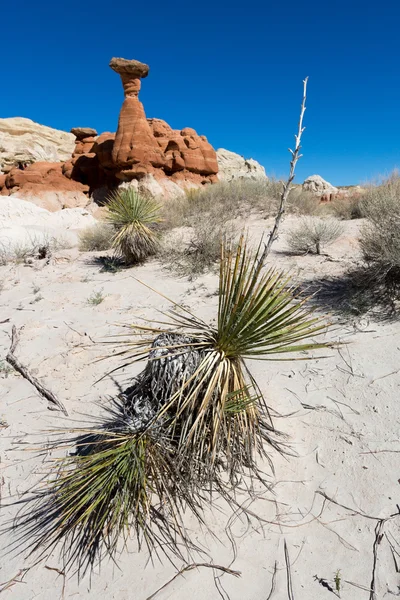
(273, 581)
(22, 370)
(287, 185)
(288, 573)
(190, 568)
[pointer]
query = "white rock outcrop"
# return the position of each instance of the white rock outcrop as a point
(316, 185)
(233, 166)
(25, 224)
(23, 140)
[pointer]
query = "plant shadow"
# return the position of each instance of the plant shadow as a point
(359, 292)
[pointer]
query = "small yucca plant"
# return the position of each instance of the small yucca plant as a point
(134, 217)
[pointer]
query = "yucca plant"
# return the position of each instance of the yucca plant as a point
(134, 218)
(218, 417)
(117, 483)
(192, 423)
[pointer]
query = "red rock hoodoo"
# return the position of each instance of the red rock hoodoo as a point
(141, 147)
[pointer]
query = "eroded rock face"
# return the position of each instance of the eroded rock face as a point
(23, 141)
(233, 166)
(44, 184)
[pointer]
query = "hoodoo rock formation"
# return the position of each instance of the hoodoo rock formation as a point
(145, 153)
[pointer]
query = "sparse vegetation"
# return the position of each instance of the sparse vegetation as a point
(134, 218)
(303, 203)
(312, 234)
(380, 237)
(34, 248)
(210, 213)
(96, 238)
(347, 208)
(96, 298)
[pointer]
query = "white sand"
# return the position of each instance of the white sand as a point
(340, 410)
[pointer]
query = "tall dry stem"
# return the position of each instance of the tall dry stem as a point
(287, 184)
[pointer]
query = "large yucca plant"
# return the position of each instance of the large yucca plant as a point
(134, 217)
(192, 423)
(218, 418)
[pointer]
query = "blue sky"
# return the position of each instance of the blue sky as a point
(231, 70)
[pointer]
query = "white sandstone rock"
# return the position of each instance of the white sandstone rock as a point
(233, 166)
(25, 224)
(317, 185)
(23, 140)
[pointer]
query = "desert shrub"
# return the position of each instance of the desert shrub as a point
(97, 237)
(312, 234)
(134, 218)
(303, 203)
(210, 213)
(198, 249)
(225, 200)
(346, 208)
(380, 237)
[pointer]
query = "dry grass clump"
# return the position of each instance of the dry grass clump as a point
(303, 203)
(223, 200)
(34, 248)
(313, 234)
(380, 237)
(99, 237)
(134, 218)
(347, 208)
(210, 213)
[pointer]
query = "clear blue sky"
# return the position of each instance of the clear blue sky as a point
(232, 70)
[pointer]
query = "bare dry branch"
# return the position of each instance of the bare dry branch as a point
(189, 568)
(22, 370)
(287, 185)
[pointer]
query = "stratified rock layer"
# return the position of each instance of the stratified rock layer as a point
(23, 141)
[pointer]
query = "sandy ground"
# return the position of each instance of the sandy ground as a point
(340, 413)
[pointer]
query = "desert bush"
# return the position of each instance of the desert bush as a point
(97, 237)
(225, 200)
(380, 237)
(312, 234)
(303, 203)
(346, 208)
(134, 218)
(191, 426)
(210, 212)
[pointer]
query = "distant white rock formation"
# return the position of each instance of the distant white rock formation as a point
(316, 185)
(24, 141)
(233, 166)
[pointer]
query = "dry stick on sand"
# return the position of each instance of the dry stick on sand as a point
(287, 185)
(15, 363)
(189, 568)
(379, 533)
(288, 573)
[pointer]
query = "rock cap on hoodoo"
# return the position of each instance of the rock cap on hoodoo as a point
(83, 132)
(130, 67)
